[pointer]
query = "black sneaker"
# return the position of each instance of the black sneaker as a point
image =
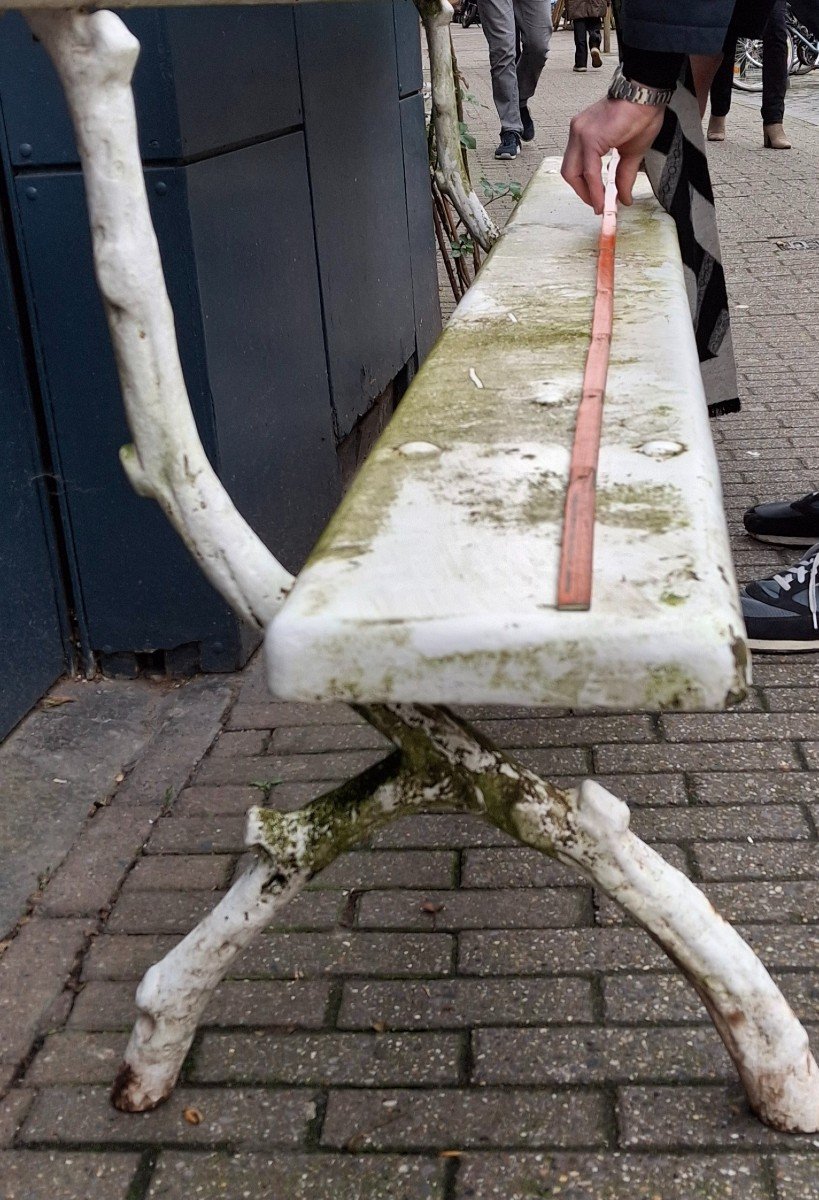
(780, 613)
(509, 145)
(596, 57)
(528, 124)
(786, 522)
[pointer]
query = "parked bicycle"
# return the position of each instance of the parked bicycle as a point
(803, 56)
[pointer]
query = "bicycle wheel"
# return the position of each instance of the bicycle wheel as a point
(806, 56)
(748, 65)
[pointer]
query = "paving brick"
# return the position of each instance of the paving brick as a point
(440, 831)
(589, 1054)
(274, 715)
(451, 1119)
(782, 947)
(763, 787)
(484, 909)
(568, 731)
(177, 912)
(775, 672)
(680, 1117)
(759, 822)
(797, 1176)
(191, 720)
(180, 872)
(317, 739)
(714, 727)
(785, 699)
(461, 1003)
(811, 753)
(772, 860)
(297, 1177)
(198, 835)
(760, 901)
(553, 952)
(160, 912)
(303, 767)
(95, 867)
(77, 1057)
(50, 1175)
(33, 972)
(329, 1059)
(13, 1109)
(390, 869)
(516, 867)
(643, 999)
(246, 743)
(700, 756)
(558, 761)
(610, 1177)
(105, 1005)
(253, 1117)
(292, 955)
(229, 800)
(123, 957)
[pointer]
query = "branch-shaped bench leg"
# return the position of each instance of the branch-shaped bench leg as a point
(293, 847)
(588, 828)
(442, 760)
(450, 172)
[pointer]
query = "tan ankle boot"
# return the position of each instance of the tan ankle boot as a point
(775, 137)
(716, 129)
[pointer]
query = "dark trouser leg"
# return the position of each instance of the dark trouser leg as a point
(534, 20)
(774, 65)
(721, 87)
(594, 25)
(581, 49)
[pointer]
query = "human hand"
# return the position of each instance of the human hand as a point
(609, 124)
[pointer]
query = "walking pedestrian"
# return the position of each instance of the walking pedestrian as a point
(587, 18)
(515, 76)
(774, 83)
(668, 49)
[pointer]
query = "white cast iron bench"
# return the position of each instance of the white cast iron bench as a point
(435, 582)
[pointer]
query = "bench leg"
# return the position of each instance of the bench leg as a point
(293, 847)
(450, 168)
(588, 828)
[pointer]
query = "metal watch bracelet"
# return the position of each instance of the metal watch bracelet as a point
(621, 88)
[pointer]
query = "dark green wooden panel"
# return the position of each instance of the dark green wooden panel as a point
(349, 69)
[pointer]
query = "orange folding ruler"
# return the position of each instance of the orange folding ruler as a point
(574, 583)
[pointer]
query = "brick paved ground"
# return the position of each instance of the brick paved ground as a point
(445, 1016)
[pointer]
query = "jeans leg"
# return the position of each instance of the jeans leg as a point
(581, 49)
(775, 65)
(534, 19)
(498, 24)
(594, 25)
(721, 85)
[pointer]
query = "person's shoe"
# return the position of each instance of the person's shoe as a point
(785, 522)
(580, 70)
(781, 612)
(509, 145)
(596, 57)
(716, 129)
(775, 137)
(528, 124)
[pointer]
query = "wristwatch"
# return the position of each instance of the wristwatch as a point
(621, 88)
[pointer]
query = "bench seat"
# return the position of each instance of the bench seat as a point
(435, 581)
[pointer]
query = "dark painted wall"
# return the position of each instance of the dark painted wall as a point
(286, 168)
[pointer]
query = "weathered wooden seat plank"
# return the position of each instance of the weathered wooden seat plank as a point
(436, 580)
